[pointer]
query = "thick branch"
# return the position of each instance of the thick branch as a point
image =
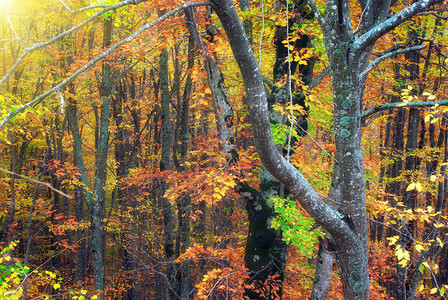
(400, 105)
(370, 37)
(377, 61)
(259, 117)
(91, 63)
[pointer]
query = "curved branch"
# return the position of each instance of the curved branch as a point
(379, 108)
(370, 37)
(377, 61)
(259, 117)
(92, 62)
(433, 13)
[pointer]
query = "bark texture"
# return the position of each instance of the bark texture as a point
(349, 57)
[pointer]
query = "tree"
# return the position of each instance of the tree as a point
(160, 181)
(349, 57)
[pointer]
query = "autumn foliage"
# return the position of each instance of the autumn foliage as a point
(49, 155)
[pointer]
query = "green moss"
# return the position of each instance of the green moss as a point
(345, 133)
(345, 122)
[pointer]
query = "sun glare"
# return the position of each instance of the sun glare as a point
(3, 4)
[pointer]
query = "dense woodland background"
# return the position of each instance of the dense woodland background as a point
(139, 179)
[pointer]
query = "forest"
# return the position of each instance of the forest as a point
(223, 149)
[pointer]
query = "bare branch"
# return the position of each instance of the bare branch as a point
(15, 34)
(59, 37)
(319, 78)
(370, 37)
(379, 108)
(377, 61)
(434, 13)
(395, 47)
(66, 6)
(92, 62)
(37, 181)
(77, 11)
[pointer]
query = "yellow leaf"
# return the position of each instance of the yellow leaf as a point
(403, 263)
(399, 253)
(440, 242)
(433, 178)
(426, 94)
(433, 291)
(421, 288)
(419, 248)
(56, 286)
(432, 97)
(418, 187)
(94, 297)
(393, 240)
(427, 118)
(411, 187)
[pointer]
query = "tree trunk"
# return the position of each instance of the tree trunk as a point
(98, 205)
(82, 192)
(165, 164)
(266, 252)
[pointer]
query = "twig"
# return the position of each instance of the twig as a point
(15, 33)
(92, 62)
(38, 267)
(37, 181)
(437, 15)
(58, 37)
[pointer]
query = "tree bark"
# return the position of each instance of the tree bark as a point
(98, 205)
(349, 60)
(165, 164)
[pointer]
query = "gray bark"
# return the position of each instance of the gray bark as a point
(82, 191)
(349, 57)
(97, 206)
(324, 268)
